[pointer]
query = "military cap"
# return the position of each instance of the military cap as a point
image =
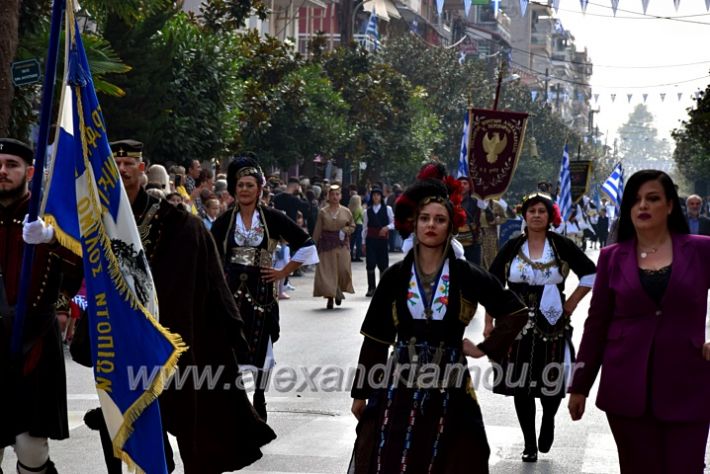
(10, 146)
(127, 149)
(376, 190)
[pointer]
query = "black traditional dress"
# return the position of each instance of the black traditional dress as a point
(542, 354)
(33, 396)
(243, 253)
(422, 413)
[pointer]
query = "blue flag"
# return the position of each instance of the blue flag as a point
(564, 199)
(372, 33)
(88, 206)
(614, 186)
(463, 155)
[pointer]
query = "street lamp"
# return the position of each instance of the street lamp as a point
(86, 22)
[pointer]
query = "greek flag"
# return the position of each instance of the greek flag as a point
(463, 157)
(88, 206)
(614, 186)
(564, 199)
(372, 32)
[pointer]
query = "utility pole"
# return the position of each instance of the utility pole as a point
(346, 22)
(547, 82)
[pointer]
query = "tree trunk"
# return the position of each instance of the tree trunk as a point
(9, 22)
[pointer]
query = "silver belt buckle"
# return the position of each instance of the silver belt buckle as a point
(243, 256)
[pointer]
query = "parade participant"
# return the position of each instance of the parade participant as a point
(602, 227)
(355, 206)
(216, 430)
(424, 419)
(492, 216)
(246, 236)
(332, 234)
(33, 395)
(469, 233)
(535, 267)
(377, 223)
(646, 327)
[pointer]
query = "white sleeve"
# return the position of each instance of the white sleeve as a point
(588, 280)
(364, 225)
(390, 217)
(307, 255)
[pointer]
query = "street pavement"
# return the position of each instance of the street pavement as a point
(312, 417)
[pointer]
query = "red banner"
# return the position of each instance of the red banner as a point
(494, 146)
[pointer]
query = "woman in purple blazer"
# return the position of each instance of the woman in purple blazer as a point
(646, 327)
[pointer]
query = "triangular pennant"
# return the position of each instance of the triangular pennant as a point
(439, 6)
(596, 97)
(645, 96)
(707, 5)
(467, 6)
(584, 4)
(614, 5)
(645, 5)
(524, 7)
(556, 5)
(629, 96)
(663, 96)
(534, 95)
(680, 95)
(613, 97)
(676, 3)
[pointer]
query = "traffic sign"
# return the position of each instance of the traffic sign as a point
(26, 72)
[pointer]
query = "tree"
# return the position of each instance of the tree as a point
(639, 145)
(385, 111)
(692, 152)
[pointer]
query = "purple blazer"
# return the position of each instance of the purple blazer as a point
(648, 351)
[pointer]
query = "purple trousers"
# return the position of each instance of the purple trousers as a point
(651, 446)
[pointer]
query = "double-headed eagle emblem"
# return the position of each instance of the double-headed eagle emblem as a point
(493, 146)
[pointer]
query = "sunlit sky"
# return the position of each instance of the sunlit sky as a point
(624, 48)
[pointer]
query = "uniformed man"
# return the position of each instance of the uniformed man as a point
(217, 430)
(33, 395)
(377, 224)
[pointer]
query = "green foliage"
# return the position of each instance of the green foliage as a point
(639, 139)
(228, 15)
(34, 37)
(692, 152)
(450, 86)
(387, 115)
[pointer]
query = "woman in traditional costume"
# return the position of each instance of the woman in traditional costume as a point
(535, 266)
(334, 226)
(246, 237)
(419, 412)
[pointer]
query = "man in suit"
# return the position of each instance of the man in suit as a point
(699, 225)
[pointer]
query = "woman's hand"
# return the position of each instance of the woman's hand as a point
(358, 407)
(576, 404)
(706, 351)
(471, 350)
(488, 326)
(271, 274)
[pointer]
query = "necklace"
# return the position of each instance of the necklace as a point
(644, 253)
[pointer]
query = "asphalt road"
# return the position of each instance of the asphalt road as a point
(312, 416)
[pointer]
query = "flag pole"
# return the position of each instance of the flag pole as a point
(40, 154)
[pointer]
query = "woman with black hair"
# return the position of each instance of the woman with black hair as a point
(419, 412)
(246, 237)
(535, 267)
(646, 327)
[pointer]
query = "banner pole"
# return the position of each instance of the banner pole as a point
(40, 155)
(500, 81)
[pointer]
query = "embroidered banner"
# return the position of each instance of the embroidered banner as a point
(494, 146)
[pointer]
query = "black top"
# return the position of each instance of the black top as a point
(379, 219)
(655, 282)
